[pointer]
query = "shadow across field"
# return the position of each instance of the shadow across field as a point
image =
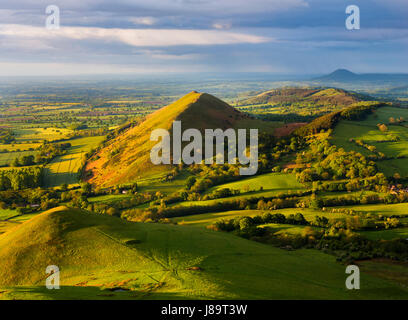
(83, 293)
(54, 179)
(76, 148)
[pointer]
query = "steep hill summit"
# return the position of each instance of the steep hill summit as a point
(127, 157)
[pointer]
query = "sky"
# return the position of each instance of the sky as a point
(192, 36)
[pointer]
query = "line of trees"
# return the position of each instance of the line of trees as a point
(23, 178)
(244, 223)
(6, 136)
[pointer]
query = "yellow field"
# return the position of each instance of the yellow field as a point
(64, 169)
(49, 134)
(20, 146)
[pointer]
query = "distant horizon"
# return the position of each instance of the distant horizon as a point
(257, 75)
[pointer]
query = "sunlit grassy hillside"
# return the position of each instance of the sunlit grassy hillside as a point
(97, 253)
(127, 157)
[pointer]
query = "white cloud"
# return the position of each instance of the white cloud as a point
(134, 37)
(146, 21)
(222, 25)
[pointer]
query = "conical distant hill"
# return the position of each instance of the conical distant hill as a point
(340, 75)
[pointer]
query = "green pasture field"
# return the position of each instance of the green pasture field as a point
(277, 182)
(36, 134)
(157, 261)
(206, 219)
(382, 209)
(345, 130)
(24, 217)
(154, 183)
(394, 149)
(11, 218)
(262, 109)
(357, 194)
(393, 166)
(6, 214)
(390, 234)
(367, 131)
(110, 198)
(64, 169)
(372, 136)
(383, 115)
(6, 219)
(278, 228)
(8, 158)
(20, 146)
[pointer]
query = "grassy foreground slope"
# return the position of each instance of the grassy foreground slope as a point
(154, 261)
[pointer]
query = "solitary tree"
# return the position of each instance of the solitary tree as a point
(190, 182)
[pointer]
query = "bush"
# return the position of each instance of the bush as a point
(190, 182)
(113, 212)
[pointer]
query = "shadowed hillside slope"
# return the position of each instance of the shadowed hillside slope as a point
(164, 261)
(127, 157)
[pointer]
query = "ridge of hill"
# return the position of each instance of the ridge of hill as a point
(318, 97)
(126, 158)
(99, 254)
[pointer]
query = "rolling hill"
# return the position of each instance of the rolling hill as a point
(127, 157)
(105, 257)
(316, 97)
